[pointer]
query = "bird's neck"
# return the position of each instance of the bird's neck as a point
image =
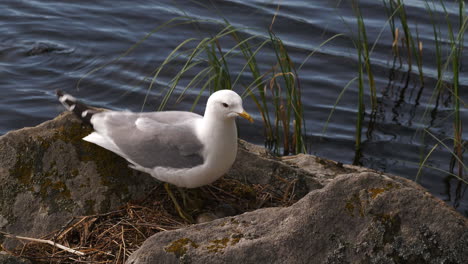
(215, 128)
(224, 133)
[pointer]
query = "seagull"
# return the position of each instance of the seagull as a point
(177, 147)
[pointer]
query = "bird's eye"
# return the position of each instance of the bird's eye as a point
(225, 105)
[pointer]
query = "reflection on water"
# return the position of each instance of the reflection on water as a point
(46, 45)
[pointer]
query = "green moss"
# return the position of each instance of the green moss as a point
(217, 245)
(235, 241)
(44, 143)
(110, 166)
(180, 246)
(349, 207)
(72, 132)
(57, 195)
(23, 169)
(235, 238)
(392, 226)
(57, 190)
(24, 173)
(229, 221)
(31, 173)
(374, 192)
(113, 170)
(354, 203)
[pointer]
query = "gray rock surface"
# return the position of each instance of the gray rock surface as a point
(7, 259)
(360, 217)
(48, 175)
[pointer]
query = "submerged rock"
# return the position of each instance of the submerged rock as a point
(363, 217)
(41, 48)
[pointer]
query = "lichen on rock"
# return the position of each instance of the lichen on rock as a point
(49, 174)
(358, 217)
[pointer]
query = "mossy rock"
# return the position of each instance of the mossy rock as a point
(363, 217)
(49, 174)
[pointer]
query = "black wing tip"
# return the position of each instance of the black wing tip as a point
(59, 93)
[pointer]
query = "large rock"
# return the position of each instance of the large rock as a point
(49, 175)
(362, 217)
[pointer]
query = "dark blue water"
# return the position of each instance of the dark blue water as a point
(48, 45)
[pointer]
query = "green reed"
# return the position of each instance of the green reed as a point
(361, 44)
(456, 43)
(276, 92)
(413, 48)
(362, 48)
(289, 109)
(437, 41)
(412, 53)
(452, 66)
(449, 63)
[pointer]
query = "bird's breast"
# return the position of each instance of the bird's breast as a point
(220, 147)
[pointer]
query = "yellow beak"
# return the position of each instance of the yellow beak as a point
(246, 116)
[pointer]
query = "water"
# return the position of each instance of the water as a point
(48, 45)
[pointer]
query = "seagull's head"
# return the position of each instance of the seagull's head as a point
(227, 104)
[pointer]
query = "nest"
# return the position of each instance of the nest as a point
(112, 237)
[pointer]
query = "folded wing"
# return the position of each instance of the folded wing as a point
(154, 139)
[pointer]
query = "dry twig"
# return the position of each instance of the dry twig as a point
(45, 241)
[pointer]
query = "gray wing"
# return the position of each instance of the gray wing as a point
(164, 139)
